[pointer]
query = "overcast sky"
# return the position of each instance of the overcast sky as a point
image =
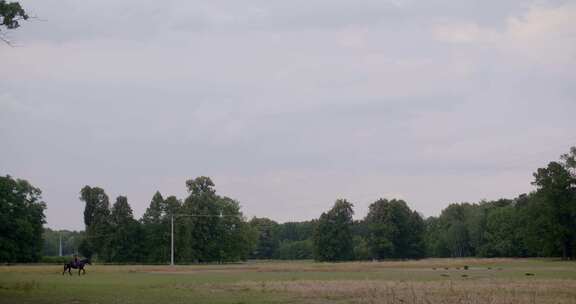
(288, 104)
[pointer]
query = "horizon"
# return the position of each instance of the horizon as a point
(248, 216)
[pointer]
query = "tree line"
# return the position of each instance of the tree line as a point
(538, 224)
(207, 227)
(541, 223)
(211, 228)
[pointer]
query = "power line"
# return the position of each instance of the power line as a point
(183, 215)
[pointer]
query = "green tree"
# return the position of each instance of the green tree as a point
(155, 211)
(536, 227)
(211, 228)
(361, 249)
(50, 242)
(569, 161)
(488, 228)
(125, 243)
(21, 220)
(295, 250)
(557, 187)
(268, 241)
(333, 239)
(156, 229)
(172, 206)
(395, 231)
(454, 239)
(503, 234)
(98, 222)
(199, 232)
(236, 238)
(11, 13)
(435, 243)
(201, 186)
(297, 231)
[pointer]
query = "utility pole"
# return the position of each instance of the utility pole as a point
(60, 247)
(172, 240)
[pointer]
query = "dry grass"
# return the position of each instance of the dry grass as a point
(496, 281)
(371, 291)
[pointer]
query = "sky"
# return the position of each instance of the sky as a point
(287, 105)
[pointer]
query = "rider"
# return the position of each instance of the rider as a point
(75, 260)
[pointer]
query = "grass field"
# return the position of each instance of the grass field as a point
(425, 281)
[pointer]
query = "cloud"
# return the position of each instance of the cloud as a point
(542, 33)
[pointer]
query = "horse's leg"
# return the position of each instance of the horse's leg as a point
(83, 270)
(64, 271)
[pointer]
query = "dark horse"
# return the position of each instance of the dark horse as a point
(76, 265)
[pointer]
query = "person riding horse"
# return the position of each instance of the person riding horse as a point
(76, 264)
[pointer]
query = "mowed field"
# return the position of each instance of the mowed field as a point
(424, 281)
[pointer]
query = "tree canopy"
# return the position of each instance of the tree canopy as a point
(21, 220)
(333, 236)
(11, 13)
(395, 231)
